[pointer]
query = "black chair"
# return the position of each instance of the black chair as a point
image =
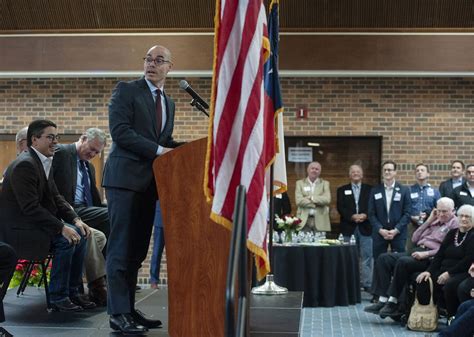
(29, 266)
(33, 248)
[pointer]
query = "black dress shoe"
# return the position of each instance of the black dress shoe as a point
(83, 302)
(374, 308)
(140, 318)
(65, 306)
(390, 309)
(125, 324)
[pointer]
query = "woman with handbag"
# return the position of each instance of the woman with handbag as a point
(449, 266)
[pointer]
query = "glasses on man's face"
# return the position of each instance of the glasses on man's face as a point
(388, 170)
(52, 137)
(158, 61)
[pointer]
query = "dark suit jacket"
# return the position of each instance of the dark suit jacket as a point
(132, 121)
(462, 196)
(399, 215)
(346, 207)
(65, 174)
(446, 188)
(31, 207)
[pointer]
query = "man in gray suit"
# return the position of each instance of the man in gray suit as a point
(141, 118)
(74, 176)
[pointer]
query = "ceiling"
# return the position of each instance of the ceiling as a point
(68, 16)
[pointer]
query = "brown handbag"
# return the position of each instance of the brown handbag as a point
(423, 317)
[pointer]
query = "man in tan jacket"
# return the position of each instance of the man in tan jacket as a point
(313, 197)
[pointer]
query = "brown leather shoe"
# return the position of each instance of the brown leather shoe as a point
(98, 292)
(98, 296)
(83, 302)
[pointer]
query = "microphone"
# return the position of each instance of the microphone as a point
(185, 86)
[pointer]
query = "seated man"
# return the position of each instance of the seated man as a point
(428, 238)
(31, 209)
(8, 261)
(74, 176)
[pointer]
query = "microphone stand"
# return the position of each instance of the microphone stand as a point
(198, 106)
(270, 287)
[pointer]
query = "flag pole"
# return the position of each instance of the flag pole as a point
(270, 287)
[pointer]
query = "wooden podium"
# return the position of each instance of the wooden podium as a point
(197, 248)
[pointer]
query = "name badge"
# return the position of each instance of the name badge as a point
(462, 193)
(278, 196)
(430, 192)
(414, 195)
(378, 196)
(307, 189)
(347, 192)
(397, 197)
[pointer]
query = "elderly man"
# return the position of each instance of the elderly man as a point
(32, 210)
(447, 187)
(75, 178)
(401, 266)
(313, 197)
(353, 207)
(20, 140)
(464, 194)
(389, 212)
(423, 200)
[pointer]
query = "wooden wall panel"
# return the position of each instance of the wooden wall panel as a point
(324, 52)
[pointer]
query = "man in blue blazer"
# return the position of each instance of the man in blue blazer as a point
(389, 212)
(141, 118)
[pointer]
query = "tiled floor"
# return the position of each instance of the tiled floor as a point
(352, 321)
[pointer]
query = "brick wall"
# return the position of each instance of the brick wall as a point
(420, 119)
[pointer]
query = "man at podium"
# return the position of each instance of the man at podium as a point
(141, 118)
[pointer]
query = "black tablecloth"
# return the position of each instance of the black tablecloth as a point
(328, 275)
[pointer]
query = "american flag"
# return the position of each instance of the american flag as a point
(241, 140)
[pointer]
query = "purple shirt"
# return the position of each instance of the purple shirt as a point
(431, 235)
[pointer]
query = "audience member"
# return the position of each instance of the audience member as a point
(464, 194)
(139, 135)
(8, 261)
(423, 200)
(20, 140)
(353, 207)
(32, 208)
(313, 197)
(158, 246)
(462, 325)
(466, 288)
(74, 176)
(450, 264)
(389, 212)
(393, 270)
(447, 187)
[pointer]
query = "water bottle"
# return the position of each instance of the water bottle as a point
(341, 238)
(276, 237)
(352, 241)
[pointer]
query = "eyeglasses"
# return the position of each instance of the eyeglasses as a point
(388, 170)
(52, 138)
(157, 61)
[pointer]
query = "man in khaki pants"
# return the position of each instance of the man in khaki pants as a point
(313, 197)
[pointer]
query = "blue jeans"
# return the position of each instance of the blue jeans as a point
(462, 325)
(364, 245)
(158, 245)
(66, 269)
